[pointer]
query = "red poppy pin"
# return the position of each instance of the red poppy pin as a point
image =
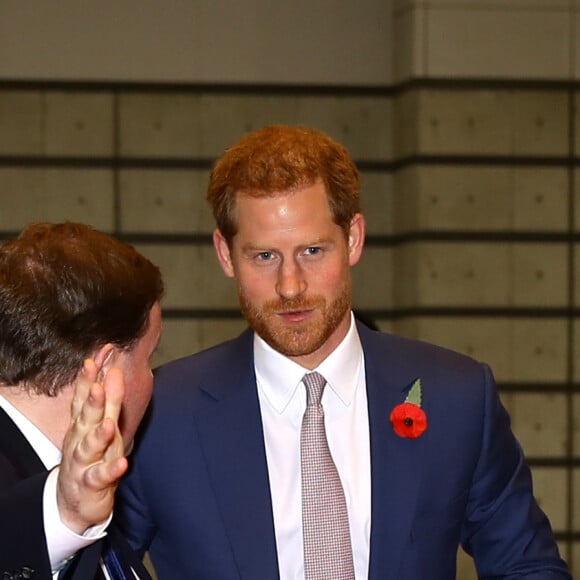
(408, 419)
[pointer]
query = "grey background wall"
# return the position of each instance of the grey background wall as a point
(460, 113)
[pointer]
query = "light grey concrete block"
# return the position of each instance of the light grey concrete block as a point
(535, 36)
(225, 118)
(364, 125)
(21, 123)
(56, 195)
(539, 350)
(487, 339)
(377, 202)
(448, 198)
(182, 337)
(450, 274)
(551, 491)
(539, 275)
(540, 197)
(465, 566)
(159, 125)
(164, 201)
(192, 275)
(539, 422)
(373, 279)
(79, 124)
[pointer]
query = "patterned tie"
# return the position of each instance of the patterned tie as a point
(327, 547)
(112, 563)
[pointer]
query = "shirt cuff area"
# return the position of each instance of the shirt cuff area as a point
(61, 541)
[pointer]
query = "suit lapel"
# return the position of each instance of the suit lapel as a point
(395, 461)
(230, 428)
(16, 447)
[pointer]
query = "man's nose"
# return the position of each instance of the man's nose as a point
(291, 281)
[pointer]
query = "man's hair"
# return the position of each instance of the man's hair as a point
(278, 159)
(65, 291)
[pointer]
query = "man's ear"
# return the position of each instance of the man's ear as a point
(103, 359)
(356, 238)
(223, 253)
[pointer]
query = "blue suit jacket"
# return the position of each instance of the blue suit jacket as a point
(198, 493)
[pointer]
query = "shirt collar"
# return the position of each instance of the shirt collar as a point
(279, 377)
(46, 450)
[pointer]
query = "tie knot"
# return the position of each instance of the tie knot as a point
(315, 383)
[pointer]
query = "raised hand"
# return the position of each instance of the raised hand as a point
(93, 458)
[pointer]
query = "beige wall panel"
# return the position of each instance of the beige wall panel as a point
(362, 124)
(409, 39)
(551, 491)
(225, 118)
(574, 559)
(21, 123)
(576, 512)
(159, 201)
(299, 42)
(526, 350)
(56, 195)
(539, 122)
(540, 199)
(449, 274)
(576, 200)
(576, 360)
(373, 279)
(406, 194)
(539, 423)
(193, 277)
(79, 124)
(159, 125)
(576, 274)
(474, 41)
(520, 4)
(539, 351)
(540, 275)
(406, 265)
(406, 119)
(488, 339)
(465, 566)
(575, 19)
(492, 122)
(464, 122)
(185, 337)
(576, 440)
(458, 198)
(481, 198)
(377, 202)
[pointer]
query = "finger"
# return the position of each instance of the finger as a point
(86, 377)
(114, 385)
(96, 442)
(93, 409)
(104, 475)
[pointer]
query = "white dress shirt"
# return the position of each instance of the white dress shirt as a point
(62, 543)
(282, 399)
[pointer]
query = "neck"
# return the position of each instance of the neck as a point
(50, 414)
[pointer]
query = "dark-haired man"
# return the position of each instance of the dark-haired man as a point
(80, 318)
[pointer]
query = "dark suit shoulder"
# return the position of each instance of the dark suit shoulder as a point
(213, 365)
(413, 353)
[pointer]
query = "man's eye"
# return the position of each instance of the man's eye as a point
(313, 251)
(265, 256)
